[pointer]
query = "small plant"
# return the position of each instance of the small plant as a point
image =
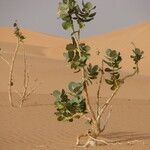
(23, 96)
(76, 103)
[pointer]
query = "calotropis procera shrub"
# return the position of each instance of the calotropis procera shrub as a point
(76, 103)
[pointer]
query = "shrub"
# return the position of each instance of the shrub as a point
(76, 103)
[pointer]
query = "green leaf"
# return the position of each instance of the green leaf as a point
(88, 6)
(66, 25)
(81, 24)
(113, 87)
(76, 57)
(60, 118)
(95, 68)
(63, 7)
(70, 47)
(108, 52)
(108, 70)
(108, 63)
(92, 15)
(110, 82)
(56, 93)
(75, 87)
(70, 55)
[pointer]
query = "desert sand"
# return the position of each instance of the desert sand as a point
(35, 127)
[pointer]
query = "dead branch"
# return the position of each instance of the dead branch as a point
(10, 82)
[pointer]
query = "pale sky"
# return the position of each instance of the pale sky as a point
(41, 15)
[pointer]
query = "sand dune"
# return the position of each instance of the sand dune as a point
(121, 40)
(34, 127)
(50, 46)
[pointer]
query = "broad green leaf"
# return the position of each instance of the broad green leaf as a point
(74, 87)
(92, 15)
(110, 82)
(88, 6)
(60, 118)
(108, 70)
(66, 25)
(70, 55)
(70, 47)
(108, 52)
(56, 93)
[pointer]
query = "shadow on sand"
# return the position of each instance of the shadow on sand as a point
(127, 136)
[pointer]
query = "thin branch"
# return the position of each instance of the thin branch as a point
(99, 140)
(102, 110)
(5, 60)
(88, 102)
(107, 119)
(10, 84)
(89, 107)
(26, 80)
(79, 138)
(26, 92)
(136, 70)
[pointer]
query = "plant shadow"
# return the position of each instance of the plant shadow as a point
(127, 136)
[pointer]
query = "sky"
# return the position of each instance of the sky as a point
(41, 15)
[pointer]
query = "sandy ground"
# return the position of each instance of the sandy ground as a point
(34, 127)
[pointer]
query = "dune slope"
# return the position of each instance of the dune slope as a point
(34, 127)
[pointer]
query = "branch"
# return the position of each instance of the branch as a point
(132, 74)
(107, 119)
(26, 79)
(89, 107)
(26, 91)
(102, 110)
(10, 84)
(88, 102)
(99, 87)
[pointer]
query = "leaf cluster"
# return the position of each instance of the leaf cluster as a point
(18, 33)
(92, 72)
(70, 11)
(113, 60)
(137, 55)
(77, 57)
(70, 108)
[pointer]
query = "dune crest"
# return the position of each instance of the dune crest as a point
(121, 40)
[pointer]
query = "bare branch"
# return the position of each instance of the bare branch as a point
(10, 83)
(5, 60)
(78, 143)
(99, 87)
(26, 92)
(107, 119)
(103, 108)
(136, 70)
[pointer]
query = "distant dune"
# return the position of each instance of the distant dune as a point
(34, 127)
(121, 40)
(36, 43)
